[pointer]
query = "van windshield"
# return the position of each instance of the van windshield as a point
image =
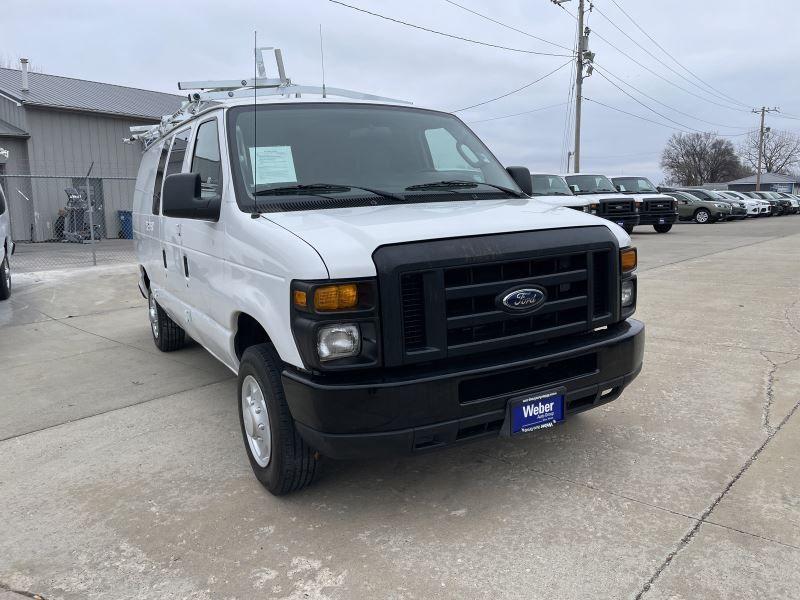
(330, 150)
(591, 184)
(635, 185)
(549, 185)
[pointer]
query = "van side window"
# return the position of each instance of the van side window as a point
(160, 177)
(206, 160)
(179, 145)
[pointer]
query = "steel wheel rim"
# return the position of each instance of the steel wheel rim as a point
(152, 313)
(256, 421)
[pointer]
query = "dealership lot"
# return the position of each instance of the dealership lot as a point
(122, 472)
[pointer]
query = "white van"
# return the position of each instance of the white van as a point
(552, 189)
(655, 208)
(377, 280)
(607, 201)
(7, 248)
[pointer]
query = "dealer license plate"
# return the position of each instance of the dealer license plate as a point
(536, 411)
(661, 221)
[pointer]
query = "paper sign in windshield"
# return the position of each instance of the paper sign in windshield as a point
(272, 164)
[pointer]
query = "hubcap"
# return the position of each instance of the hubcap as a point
(152, 313)
(256, 421)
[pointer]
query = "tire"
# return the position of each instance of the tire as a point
(628, 229)
(702, 216)
(284, 463)
(168, 336)
(5, 279)
(663, 228)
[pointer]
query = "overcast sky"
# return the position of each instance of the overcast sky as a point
(744, 49)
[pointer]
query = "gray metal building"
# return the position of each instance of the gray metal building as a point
(54, 128)
(773, 182)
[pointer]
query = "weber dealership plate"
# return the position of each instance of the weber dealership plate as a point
(537, 410)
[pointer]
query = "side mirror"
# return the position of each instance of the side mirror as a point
(522, 177)
(182, 198)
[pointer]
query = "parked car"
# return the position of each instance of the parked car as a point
(606, 201)
(773, 206)
(780, 206)
(754, 207)
(554, 190)
(738, 209)
(795, 205)
(377, 280)
(655, 208)
(694, 208)
(7, 247)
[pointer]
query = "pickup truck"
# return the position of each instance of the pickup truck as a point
(376, 279)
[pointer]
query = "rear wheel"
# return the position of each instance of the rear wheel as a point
(168, 336)
(5, 279)
(663, 228)
(702, 216)
(280, 458)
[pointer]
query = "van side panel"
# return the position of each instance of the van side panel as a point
(146, 225)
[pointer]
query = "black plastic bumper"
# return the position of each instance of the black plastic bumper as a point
(425, 409)
(657, 218)
(622, 220)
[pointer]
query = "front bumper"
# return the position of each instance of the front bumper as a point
(622, 220)
(657, 218)
(425, 408)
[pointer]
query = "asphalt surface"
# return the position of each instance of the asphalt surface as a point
(123, 474)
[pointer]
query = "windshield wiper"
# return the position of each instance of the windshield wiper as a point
(318, 189)
(461, 183)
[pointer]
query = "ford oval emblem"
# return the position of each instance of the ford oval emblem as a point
(525, 299)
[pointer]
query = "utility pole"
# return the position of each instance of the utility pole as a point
(763, 112)
(579, 87)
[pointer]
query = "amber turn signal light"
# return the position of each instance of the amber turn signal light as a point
(628, 259)
(336, 297)
(300, 299)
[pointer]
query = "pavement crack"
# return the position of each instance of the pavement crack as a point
(689, 535)
(6, 588)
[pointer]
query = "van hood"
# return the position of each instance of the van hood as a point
(345, 238)
(642, 196)
(564, 200)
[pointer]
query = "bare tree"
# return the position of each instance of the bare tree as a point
(781, 151)
(698, 158)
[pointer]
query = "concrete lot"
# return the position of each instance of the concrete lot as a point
(122, 471)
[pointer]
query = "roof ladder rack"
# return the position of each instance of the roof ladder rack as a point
(204, 93)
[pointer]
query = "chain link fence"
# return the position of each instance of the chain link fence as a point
(69, 221)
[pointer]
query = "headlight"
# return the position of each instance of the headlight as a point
(628, 293)
(719, 205)
(593, 208)
(338, 341)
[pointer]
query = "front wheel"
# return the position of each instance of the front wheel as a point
(168, 336)
(663, 228)
(628, 229)
(280, 458)
(702, 216)
(5, 279)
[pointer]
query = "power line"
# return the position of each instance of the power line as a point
(664, 50)
(654, 73)
(630, 114)
(656, 58)
(526, 112)
(519, 89)
(530, 35)
(657, 101)
(652, 110)
(448, 35)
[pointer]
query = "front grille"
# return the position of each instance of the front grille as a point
(413, 310)
(441, 299)
(657, 206)
(616, 207)
(578, 292)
